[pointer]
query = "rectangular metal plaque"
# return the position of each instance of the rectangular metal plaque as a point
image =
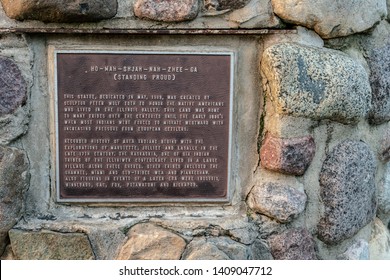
(143, 126)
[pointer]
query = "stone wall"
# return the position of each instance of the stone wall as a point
(310, 170)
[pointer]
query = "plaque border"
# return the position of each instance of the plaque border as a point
(154, 201)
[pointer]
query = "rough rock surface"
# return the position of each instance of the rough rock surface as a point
(332, 19)
(380, 241)
(13, 125)
(105, 240)
(384, 192)
(8, 254)
(260, 250)
(281, 202)
(287, 155)
(150, 242)
(13, 88)
(384, 152)
(219, 5)
(379, 62)
(359, 250)
(50, 245)
(215, 248)
(347, 182)
(255, 14)
(293, 244)
(60, 11)
(316, 83)
(13, 182)
(166, 10)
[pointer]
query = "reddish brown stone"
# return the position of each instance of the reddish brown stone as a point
(13, 89)
(60, 11)
(293, 244)
(166, 10)
(289, 156)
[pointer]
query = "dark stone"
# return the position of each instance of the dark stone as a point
(289, 156)
(379, 62)
(347, 181)
(166, 10)
(293, 244)
(13, 89)
(13, 182)
(60, 11)
(220, 5)
(260, 250)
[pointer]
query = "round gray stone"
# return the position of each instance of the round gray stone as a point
(348, 192)
(281, 202)
(13, 88)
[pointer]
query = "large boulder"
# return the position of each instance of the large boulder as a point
(60, 11)
(315, 83)
(332, 19)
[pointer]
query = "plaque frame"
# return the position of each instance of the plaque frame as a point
(54, 119)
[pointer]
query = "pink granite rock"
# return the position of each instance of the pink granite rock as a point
(287, 155)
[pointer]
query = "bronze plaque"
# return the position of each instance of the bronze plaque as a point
(143, 126)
